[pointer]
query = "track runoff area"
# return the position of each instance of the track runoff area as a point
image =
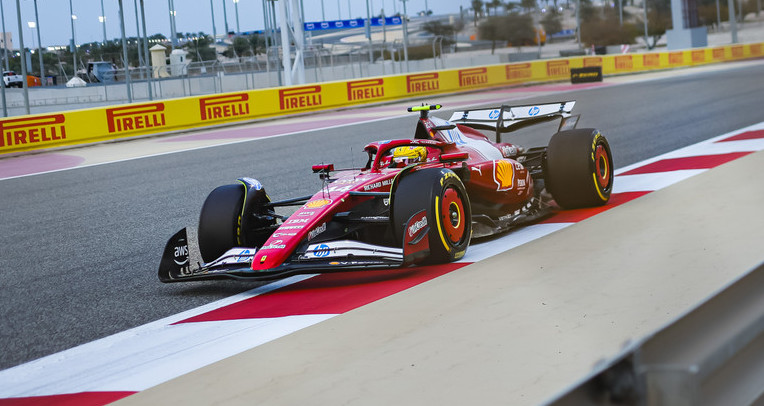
(143, 358)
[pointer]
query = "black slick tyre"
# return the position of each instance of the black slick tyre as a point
(578, 170)
(442, 194)
(219, 221)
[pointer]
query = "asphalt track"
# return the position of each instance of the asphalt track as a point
(80, 247)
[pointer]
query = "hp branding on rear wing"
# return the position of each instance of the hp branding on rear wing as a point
(509, 118)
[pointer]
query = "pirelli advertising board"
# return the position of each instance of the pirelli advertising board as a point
(24, 133)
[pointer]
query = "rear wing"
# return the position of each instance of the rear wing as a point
(510, 118)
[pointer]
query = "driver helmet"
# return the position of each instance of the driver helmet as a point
(409, 155)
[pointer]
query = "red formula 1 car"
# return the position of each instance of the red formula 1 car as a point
(415, 201)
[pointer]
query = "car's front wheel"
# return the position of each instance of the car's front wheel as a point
(442, 196)
(219, 219)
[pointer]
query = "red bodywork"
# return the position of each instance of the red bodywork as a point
(495, 180)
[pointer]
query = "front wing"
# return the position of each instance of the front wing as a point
(181, 261)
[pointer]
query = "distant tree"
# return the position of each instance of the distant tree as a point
(477, 7)
(490, 30)
(528, 5)
(552, 22)
(658, 21)
(515, 28)
(605, 29)
(518, 29)
(495, 4)
(199, 47)
(447, 31)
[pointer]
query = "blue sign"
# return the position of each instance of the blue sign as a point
(534, 111)
(354, 23)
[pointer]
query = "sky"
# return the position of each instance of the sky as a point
(191, 16)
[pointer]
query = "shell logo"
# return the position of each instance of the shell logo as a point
(315, 204)
(503, 175)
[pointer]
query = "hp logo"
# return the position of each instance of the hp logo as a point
(534, 111)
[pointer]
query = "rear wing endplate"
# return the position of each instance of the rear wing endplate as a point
(509, 118)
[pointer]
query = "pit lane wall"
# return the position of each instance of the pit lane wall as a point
(43, 131)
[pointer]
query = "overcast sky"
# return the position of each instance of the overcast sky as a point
(191, 16)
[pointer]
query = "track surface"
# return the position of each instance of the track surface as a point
(80, 247)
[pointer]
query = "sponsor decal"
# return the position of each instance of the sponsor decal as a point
(315, 204)
(339, 189)
(316, 231)
(534, 111)
(300, 97)
(244, 256)
(306, 213)
(291, 228)
(366, 89)
(377, 185)
(132, 118)
(274, 245)
(592, 61)
(503, 175)
(518, 71)
(557, 68)
(473, 77)
(521, 183)
(676, 58)
(717, 54)
(447, 175)
(276, 235)
(755, 49)
(584, 75)
(624, 62)
(181, 255)
(737, 51)
(508, 150)
(321, 251)
(698, 56)
(32, 130)
(297, 221)
(418, 225)
(494, 114)
(252, 183)
(652, 60)
(423, 82)
(217, 107)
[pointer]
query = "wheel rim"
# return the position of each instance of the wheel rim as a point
(602, 166)
(452, 209)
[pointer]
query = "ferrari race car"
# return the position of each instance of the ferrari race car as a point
(416, 201)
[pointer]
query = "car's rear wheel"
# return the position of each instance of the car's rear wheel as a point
(578, 170)
(219, 219)
(442, 194)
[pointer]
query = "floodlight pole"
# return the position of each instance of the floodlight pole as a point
(5, 59)
(405, 28)
(368, 33)
(23, 58)
(74, 40)
(733, 23)
(146, 52)
(103, 23)
(39, 43)
(214, 30)
(124, 52)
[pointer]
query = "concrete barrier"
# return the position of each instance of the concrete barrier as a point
(42, 131)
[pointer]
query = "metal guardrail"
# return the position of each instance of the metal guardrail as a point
(713, 355)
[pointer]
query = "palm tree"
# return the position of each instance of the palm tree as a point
(495, 4)
(477, 7)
